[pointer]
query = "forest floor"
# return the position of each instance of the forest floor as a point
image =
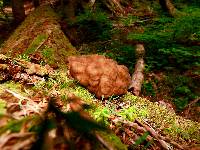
(155, 82)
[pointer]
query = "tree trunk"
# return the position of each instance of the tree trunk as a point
(70, 8)
(36, 3)
(168, 6)
(18, 10)
(114, 6)
(138, 76)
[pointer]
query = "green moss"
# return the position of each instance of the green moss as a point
(11, 86)
(2, 107)
(36, 43)
(16, 125)
(48, 54)
(170, 124)
(161, 118)
(113, 141)
(83, 93)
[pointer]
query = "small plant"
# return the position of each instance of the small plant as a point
(94, 24)
(102, 114)
(148, 89)
(131, 113)
(129, 20)
(25, 57)
(2, 107)
(183, 90)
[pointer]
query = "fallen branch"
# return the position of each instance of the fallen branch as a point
(138, 76)
(188, 108)
(153, 133)
(162, 140)
(6, 138)
(103, 142)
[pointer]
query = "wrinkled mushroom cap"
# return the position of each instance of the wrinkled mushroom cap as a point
(100, 75)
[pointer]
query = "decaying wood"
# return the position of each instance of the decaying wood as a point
(19, 70)
(162, 140)
(153, 133)
(43, 33)
(138, 76)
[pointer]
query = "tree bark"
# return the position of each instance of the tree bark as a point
(18, 10)
(138, 76)
(36, 3)
(114, 6)
(70, 8)
(168, 6)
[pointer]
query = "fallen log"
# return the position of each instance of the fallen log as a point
(138, 76)
(40, 34)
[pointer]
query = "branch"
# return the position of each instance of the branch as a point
(138, 76)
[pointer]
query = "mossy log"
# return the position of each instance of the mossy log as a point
(41, 34)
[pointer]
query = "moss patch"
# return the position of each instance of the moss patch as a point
(113, 140)
(170, 124)
(2, 106)
(36, 43)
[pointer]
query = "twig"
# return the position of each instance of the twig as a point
(41, 43)
(103, 142)
(153, 133)
(7, 138)
(17, 95)
(20, 145)
(187, 109)
(164, 138)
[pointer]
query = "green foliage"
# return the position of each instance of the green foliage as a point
(183, 90)
(6, 2)
(181, 103)
(187, 27)
(129, 20)
(148, 89)
(168, 41)
(186, 56)
(36, 43)
(122, 53)
(94, 25)
(1, 4)
(101, 115)
(2, 107)
(24, 57)
(140, 140)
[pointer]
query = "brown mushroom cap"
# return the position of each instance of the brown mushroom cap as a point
(100, 75)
